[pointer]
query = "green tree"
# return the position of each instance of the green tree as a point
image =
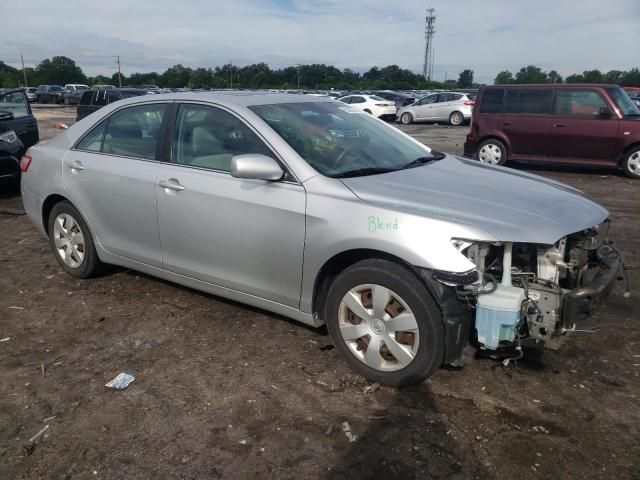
(593, 76)
(9, 76)
(465, 79)
(58, 71)
(575, 78)
(201, 78)
(531, 74)
(175, 77)
(614, 76)
(503, 78)
(554, 77)
(631, 78)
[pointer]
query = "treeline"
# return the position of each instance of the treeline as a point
(61, 70)
(533, 74)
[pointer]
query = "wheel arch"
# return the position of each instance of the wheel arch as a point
(48, 204)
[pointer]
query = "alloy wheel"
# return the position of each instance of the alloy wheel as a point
(633, 164)
(69, 240)
(378, 327)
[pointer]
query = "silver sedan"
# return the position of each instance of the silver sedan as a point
(314, 210)
(452, 107)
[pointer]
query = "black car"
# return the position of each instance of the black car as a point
(49, 94)
(18, 131)
(96, 98)
(400, 99)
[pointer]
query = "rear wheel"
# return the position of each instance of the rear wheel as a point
(456, 119)
(406, 118)
(71, 241)
(631, 163)
(492, 151)
(384, 323)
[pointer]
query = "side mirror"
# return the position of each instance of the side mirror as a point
(605, 112)
(256, 167)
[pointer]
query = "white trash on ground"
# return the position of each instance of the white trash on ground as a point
(121, 382)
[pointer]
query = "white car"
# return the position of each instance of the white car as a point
(376, 106)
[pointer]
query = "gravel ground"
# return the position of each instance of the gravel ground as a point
(227, 391)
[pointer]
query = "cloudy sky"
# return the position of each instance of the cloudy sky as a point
(484, 35)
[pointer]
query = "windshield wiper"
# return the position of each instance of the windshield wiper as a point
(358, 172)
(424, 160)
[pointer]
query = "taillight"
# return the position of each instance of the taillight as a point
(25, 162)
(470, 104)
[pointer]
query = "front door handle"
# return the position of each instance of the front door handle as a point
(171, 184)
(558, 125)
(76, 166)
(506, 124)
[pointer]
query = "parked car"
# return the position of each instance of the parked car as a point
(72, 93)
(376, 106)
(49, 94)
(96, 98)
(452, 107)
(18, 131)
(228, 193)
(591, 125)
(634, 94)
(400, 99)
(31, 93)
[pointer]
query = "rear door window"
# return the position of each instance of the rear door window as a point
(578, 103)
(492, 100)
(135, 131)
(528, 101)
(358, 100)
(92, 141)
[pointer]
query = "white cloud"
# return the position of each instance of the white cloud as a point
(488, 36)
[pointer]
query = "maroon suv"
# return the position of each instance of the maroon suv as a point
(595, 125)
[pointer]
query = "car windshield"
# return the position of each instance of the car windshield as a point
(623, 102)
(338, 141)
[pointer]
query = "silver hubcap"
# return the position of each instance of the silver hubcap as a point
(406, 118)
(490, 153)
(378, 327)
(69, 240)
(456, 119)
(633, 164)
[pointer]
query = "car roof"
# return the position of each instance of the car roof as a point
(233, 98)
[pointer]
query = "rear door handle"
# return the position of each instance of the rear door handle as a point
(506, 124)
(171, 184)
(558, 125)
(76, 166)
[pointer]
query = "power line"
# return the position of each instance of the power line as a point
(429, 32)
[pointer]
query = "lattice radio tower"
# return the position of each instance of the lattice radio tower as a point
(429, 32)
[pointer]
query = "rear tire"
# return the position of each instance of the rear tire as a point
(398, 318)
(491, 151)
(72, 243)
(631, 163)
(406, 118)
(456, 119)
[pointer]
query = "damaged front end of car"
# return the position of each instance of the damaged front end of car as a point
(525, 294)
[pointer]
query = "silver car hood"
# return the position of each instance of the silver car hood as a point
(509, 204)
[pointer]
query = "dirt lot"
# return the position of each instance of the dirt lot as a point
(226, 391)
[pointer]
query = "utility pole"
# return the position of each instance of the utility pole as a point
(230, 74)
(298, 68)
(119, 72)
(24, 72)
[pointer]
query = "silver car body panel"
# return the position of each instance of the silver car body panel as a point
(264, 243)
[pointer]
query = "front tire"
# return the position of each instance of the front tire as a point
(384, 323)
(492, 151)
(72, 242)
(631, 163)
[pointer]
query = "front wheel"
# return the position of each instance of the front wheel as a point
(492, 151)
(631, 163)
(384, 323)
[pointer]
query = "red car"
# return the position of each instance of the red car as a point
(593, 125)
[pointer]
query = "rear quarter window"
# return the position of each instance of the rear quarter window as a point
(492, 100)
